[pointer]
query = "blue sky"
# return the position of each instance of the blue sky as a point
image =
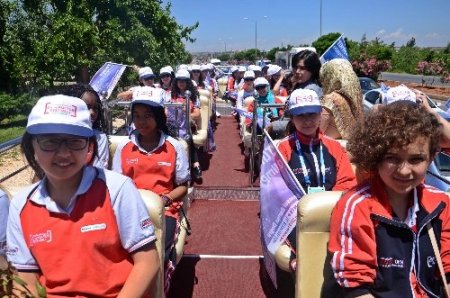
(297, 22)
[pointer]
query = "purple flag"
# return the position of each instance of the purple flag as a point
(279, 195)
(106, 78)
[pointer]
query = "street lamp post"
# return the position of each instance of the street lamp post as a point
(256, 30)
(320, 18)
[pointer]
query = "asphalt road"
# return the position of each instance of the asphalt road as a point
(402, 77)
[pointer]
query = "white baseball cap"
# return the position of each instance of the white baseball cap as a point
(261, 82)
(146, 73)
(166, 70)
(242, 68)
(195, 67)
(249, 74)
(182, 74)
(254, 67)
(304, 101)
(273, 69)
(204, 67)
(183, 66)
(233, 69)
(147, 95)
(60, 114)
(398, 93)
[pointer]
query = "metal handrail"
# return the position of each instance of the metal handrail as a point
(10, 144)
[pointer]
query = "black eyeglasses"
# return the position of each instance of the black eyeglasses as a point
(148, 79)
(53, 143)
(196, 71)
(260, 87)
(249, 80)
(166, 75)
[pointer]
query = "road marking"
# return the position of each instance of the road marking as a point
(241, 257)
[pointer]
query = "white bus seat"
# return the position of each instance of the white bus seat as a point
(313, 232)
(200, 138)
(222, 82)
(155, 209)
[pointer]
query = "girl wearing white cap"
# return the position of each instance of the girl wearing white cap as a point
(81, 230)
(181, 84)
(247, 88)
(318, 162)
(197, 76)
(276, 77)
(159, 164)
(146, 78)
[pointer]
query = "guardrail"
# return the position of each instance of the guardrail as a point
(10, 144)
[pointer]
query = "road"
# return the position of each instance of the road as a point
(402, 77)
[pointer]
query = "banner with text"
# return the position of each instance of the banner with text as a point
(279, 195)
(106, 78)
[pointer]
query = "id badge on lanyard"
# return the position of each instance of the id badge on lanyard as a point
(320, 169)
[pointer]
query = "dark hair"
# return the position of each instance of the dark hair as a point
(391, 126)
(189, 86)
(100, 122)
(311, 61)
(201, 80)
(172, 76)
(159, 114)
(28, 150)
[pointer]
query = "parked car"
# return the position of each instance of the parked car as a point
(367, 84)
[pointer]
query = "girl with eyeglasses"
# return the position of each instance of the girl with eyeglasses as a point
(80, 230)
(381, 232)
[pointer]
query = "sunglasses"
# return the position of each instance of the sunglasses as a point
(51, 143)
(260, 87)
(166, 75)
(196, 71)
(149, 79)
(249, 80)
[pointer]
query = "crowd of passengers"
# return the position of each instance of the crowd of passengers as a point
(77, 205)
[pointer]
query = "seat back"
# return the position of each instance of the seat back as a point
(155, 208)
(200, 137)
(313, 230)
(222, 82)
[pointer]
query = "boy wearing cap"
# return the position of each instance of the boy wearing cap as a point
(155, 161)
(75, 209)
(319, 162)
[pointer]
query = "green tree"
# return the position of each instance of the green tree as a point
(69, 40)
(325, 41)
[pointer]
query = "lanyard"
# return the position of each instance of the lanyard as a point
(320, 167)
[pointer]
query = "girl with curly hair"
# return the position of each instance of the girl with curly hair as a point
(379, 243)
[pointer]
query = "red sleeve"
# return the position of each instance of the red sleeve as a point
(345, 176)
(280, 110)
(285, 149)
(283, 92)
(352, 242)
(230, 85)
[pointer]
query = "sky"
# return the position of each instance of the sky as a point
(222, 24)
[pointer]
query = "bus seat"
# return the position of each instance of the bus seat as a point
(222, 82)
(245, 133)
(313, 229)
(155, 209)
(200, 138)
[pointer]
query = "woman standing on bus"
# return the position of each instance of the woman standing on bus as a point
(306, 68)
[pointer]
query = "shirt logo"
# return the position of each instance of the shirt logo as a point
(163, 163)
(146, 223)
(41, 237)
(390, 262)
(431, 261)
(132, 161)
(91, 228)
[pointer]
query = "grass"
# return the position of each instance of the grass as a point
(13, 127)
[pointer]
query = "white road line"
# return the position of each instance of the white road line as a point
(241, 257)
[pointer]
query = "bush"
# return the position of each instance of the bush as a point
(12, 105)
(370, 66)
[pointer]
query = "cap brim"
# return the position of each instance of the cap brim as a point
(146, 77)
(57, 128)
(305, 110)
(145, 102)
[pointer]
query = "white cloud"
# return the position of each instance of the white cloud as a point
(434, 36)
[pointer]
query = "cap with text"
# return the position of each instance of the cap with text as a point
(304, 101)
(60, 114)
